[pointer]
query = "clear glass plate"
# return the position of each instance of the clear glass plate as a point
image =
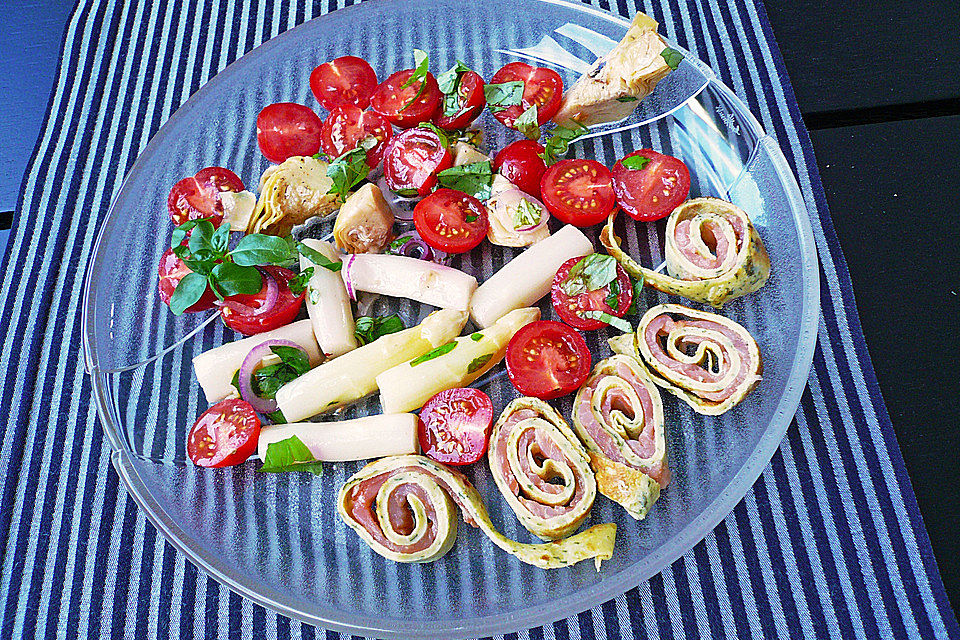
(276, 539)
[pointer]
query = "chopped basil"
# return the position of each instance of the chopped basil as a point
(290, 455)
(613, 321)
(503, 95)
(637, 291)
(436, 353)
(444, 141)
(527, 123)
(636, 162)
(236, 380)
(476, 337)
(449, 83)
(318, 258)
(276, 417)
(672, 57)
(369, 328)
(526, 214)
(299, 284)
(592, 272)
(293, 364)
(421, 62)
(347, 171)
(627, 99)
(560, 140)
(613, 298)
(478, 363)
(474, 178)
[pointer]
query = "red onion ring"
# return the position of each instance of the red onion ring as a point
(270, 299)
(416, 247)
(345, 273)
(249, 367)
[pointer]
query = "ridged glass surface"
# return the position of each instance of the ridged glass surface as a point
(276, 538)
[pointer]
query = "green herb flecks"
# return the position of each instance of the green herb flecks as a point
(526, 215)
(299, 284)
(476, 337)
(474, 178)
(318, 258)
(527, 123)
(503, 95)
(636, 162)
(672, 57)
(436, 353)
(290, 455)
(613, 321)
(560, 140)
(592, 272)
(627, 99)
(347, 171)
(478, 363)
(449, 83)
(369, 328)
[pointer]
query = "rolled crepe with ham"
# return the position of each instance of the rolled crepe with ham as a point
(541, 469)
(404, 508)
(713, 253)
(708, 361)
(619, 416)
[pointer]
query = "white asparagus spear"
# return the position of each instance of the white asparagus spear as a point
(352, 376)
(403, 277)
(408, 386)
(527, 278)
(359, 439)
(328, 304)
(215, 368)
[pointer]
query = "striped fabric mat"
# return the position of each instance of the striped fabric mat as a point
(828, 543)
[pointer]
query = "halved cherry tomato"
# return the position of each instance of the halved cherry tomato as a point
(520, 163)
(346, 126)
(451, 220)
(412, 160)
(224, 435)
(347, 80)
(403, 106)
(655, 190)
(172, 271)
(569, 307)
(287, 129)
(547, 359)
(578, 191)
(284, 310)
(541, 86)
(470, 99)
(199, 196)
(454, 426)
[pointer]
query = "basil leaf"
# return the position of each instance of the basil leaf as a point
(200, 242)
(293, 364)
(503, 95)
(613, 298)
(232, 279)
(290, 455)
(299, 284)
(637, 291)
(292, 357)
(369, 328)
(627, 99)
(474, 178)
(444, 141)
(476, 337)
(347, 171)
(527, 124)
(560, 140)
(672, 57)
(236, 380)
(436, 353)
(318, 258)
(478, 363)
(276, 417)
(450, 79)
(221, 237)
(189, 290)
(421, 64)
(636, 162)
(592, 272)
(526, 215)
(613, 321)
(258, 249)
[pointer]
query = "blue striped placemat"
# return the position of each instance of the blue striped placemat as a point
(828, 543)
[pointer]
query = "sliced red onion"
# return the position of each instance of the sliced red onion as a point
(503, 204)
(270, 299)
(345, 274)
(249, 367)
(402, 207)
(416, 247)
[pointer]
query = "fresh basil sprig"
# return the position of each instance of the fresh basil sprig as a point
(290, 455)
(560, 140)
(527, 123)
(503, 95)
(475, 178)
(369, 328)
(592, 272)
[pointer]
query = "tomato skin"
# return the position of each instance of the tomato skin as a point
(287, 129)
(443, 220)
(520, 163)
(653, 192)
(561, 360)
(346, 126)
(454, 426)
(284, 311)
(198, 196)
(172, 270)
(347, 80)
(541, 86)
(412, 160)
(224, 435)
(567, 306)
(391, 97)
(582, 182)
(472, 102)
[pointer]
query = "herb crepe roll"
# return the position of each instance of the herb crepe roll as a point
(619, 416)
(541, 468)
(708, 361)
(713, 253)
(403, 507)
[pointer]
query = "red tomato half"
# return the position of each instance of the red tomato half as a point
(412, 160)
(346, 126)
(199, 196)
(578, 191)
(569, 307)
(347, 80)
(287, 129)
(547, 359)
(283, 312)
(451, 220)
(401, 105)
(541, 86)
(471, 100)
(172, 270)
(520, 163)
(224, 435)
(454, 426)
(655, 190)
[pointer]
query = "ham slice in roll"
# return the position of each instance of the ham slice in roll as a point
(713, 253)
(708, 361)
(403, 507)
(619, 416)
(541, 468)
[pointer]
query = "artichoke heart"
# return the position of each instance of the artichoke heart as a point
(290, 193)
(365, 222)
